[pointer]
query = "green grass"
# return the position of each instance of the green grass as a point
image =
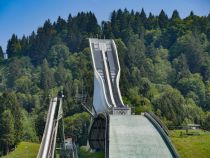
(24, 150)
(83, 153)
(30, 150)
(192, 146)
(188, 146)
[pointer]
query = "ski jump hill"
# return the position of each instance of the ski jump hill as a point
(114, 129)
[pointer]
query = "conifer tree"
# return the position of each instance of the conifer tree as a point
(13, 46)
(60, 75)
(46, 78)
(9, 100)
(175, 15)
(143, 17)
(7, 131)
(1, 54)
(163, 19)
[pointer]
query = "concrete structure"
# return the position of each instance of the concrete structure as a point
(106, 75)
(48, 144)
(114, 129)
(136, 137)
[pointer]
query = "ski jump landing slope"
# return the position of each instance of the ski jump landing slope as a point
(134, 136)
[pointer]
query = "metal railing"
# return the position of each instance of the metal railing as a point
(157, 119)
(121, 111)
(45, 146)
(163, 134)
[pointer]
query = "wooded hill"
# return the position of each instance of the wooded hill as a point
(165, 65)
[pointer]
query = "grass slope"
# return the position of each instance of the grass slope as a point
(30, 150)
(192, 146)
(83, 153)
(188, 146)
(24, 150)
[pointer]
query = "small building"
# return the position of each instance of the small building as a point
(193, 126)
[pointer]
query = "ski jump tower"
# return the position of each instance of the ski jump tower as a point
(114, 129)
(106, 75)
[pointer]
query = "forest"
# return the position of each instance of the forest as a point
(165, 68)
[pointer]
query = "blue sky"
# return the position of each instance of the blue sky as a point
(23, 16)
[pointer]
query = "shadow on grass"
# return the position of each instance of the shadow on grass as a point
(83, 153)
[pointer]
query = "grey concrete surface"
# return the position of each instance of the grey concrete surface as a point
(133, 136)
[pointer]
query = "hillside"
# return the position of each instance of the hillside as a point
(192, 146)
(24, 150)
(165, 64)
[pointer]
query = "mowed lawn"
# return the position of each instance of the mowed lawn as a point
(24, 150)
(188, 146)
(192, 146)
(30, 150)
(85, 154)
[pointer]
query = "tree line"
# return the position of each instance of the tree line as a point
(165, 68)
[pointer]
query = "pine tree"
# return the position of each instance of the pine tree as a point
(42, 43)
(24, 45)
(192, 14)
(69, 19)
(152, 22)
(7, 131)
(175, 15)
(143, 17)
(163, 19)
(61, 24)
(60, 74)
(106, 30)
(46, 78)
(1, 54)
(9, 100)
(14, 46)
(137, 23)
(15, 71)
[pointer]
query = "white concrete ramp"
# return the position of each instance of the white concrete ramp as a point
(134, 136)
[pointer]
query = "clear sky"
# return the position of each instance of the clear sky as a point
(23, 16)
